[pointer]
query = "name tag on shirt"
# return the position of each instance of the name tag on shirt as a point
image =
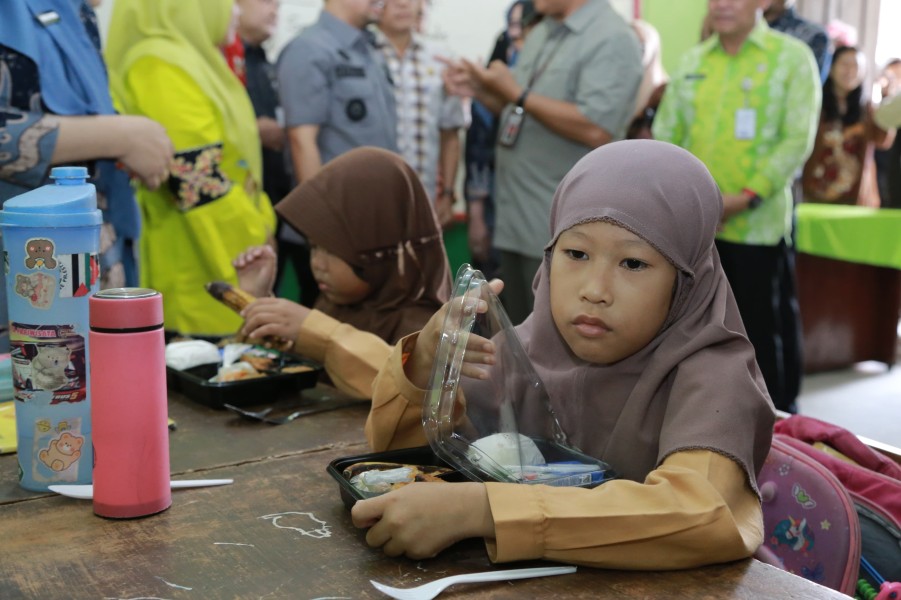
(745, 123)
(349, 71)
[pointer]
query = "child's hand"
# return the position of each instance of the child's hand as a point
(256, 268)
(479, 351)
(406, 521)
(277, 317)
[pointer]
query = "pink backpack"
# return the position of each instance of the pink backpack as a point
(810, 430)
(811, 528)
(874, 484)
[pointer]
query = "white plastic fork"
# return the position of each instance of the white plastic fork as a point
(430, 590)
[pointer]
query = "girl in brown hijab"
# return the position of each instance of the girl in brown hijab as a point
(638, 341)
(377, 255)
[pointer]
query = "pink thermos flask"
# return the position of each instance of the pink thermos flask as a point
(128, 412)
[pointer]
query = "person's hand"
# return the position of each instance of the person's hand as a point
(405, 522)
(479, 351)
(148, 150)
(272, 136)
(498, 79)
(275, 317)
(256, 269)
(444, 209)
(459, 77)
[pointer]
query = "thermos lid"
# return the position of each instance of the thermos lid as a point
(126, 308)
(69, 202)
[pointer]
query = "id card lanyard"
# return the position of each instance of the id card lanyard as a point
(512, 123)
(746, 117)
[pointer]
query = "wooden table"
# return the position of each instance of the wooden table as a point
(281, 531)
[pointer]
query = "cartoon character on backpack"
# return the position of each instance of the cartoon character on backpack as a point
(794, 533)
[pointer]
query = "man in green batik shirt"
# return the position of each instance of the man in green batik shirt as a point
(746, 102)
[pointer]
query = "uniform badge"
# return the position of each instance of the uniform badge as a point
(355, 109)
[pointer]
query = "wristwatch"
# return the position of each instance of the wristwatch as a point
(754, 199)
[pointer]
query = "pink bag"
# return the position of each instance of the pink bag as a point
(874, 485)
(812, 430)
(811, 528)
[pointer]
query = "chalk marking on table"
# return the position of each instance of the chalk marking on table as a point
(232, 544)
(173, 585)
(318, 533)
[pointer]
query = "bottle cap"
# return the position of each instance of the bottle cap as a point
(70, 202)
(126, 308)
(69, 175)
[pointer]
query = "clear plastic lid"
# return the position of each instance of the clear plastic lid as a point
(501, 427)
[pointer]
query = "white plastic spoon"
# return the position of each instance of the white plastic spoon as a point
(86, 492)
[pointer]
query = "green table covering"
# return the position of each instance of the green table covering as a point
(857, 234)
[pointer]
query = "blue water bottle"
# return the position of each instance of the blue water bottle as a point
(51, 241)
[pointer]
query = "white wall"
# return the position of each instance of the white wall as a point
(888, 43)
(465, 27)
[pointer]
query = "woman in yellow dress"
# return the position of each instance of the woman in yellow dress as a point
(165, 63)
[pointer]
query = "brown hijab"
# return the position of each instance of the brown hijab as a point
(369, 208)
(696, 385)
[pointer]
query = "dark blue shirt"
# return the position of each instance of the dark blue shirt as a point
(808, 32)
(262, 87)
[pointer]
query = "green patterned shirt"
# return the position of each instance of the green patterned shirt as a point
(774, 75)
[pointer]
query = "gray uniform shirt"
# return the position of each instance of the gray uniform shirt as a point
(331, 77)
(595, 63)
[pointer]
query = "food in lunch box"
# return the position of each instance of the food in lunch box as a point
(236, 372)
(381, 477)
(506, 449)
(260, 363)
(185, 354)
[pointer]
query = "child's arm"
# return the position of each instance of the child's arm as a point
(406, 521)
(351, 357)
(695, 509)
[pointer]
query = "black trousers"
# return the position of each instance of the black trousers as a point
(763, 282)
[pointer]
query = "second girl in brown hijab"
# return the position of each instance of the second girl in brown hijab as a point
(377, 255)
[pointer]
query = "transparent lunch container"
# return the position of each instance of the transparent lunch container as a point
(503, 427)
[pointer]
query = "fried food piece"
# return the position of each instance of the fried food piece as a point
(233, 297)
(260, 363)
